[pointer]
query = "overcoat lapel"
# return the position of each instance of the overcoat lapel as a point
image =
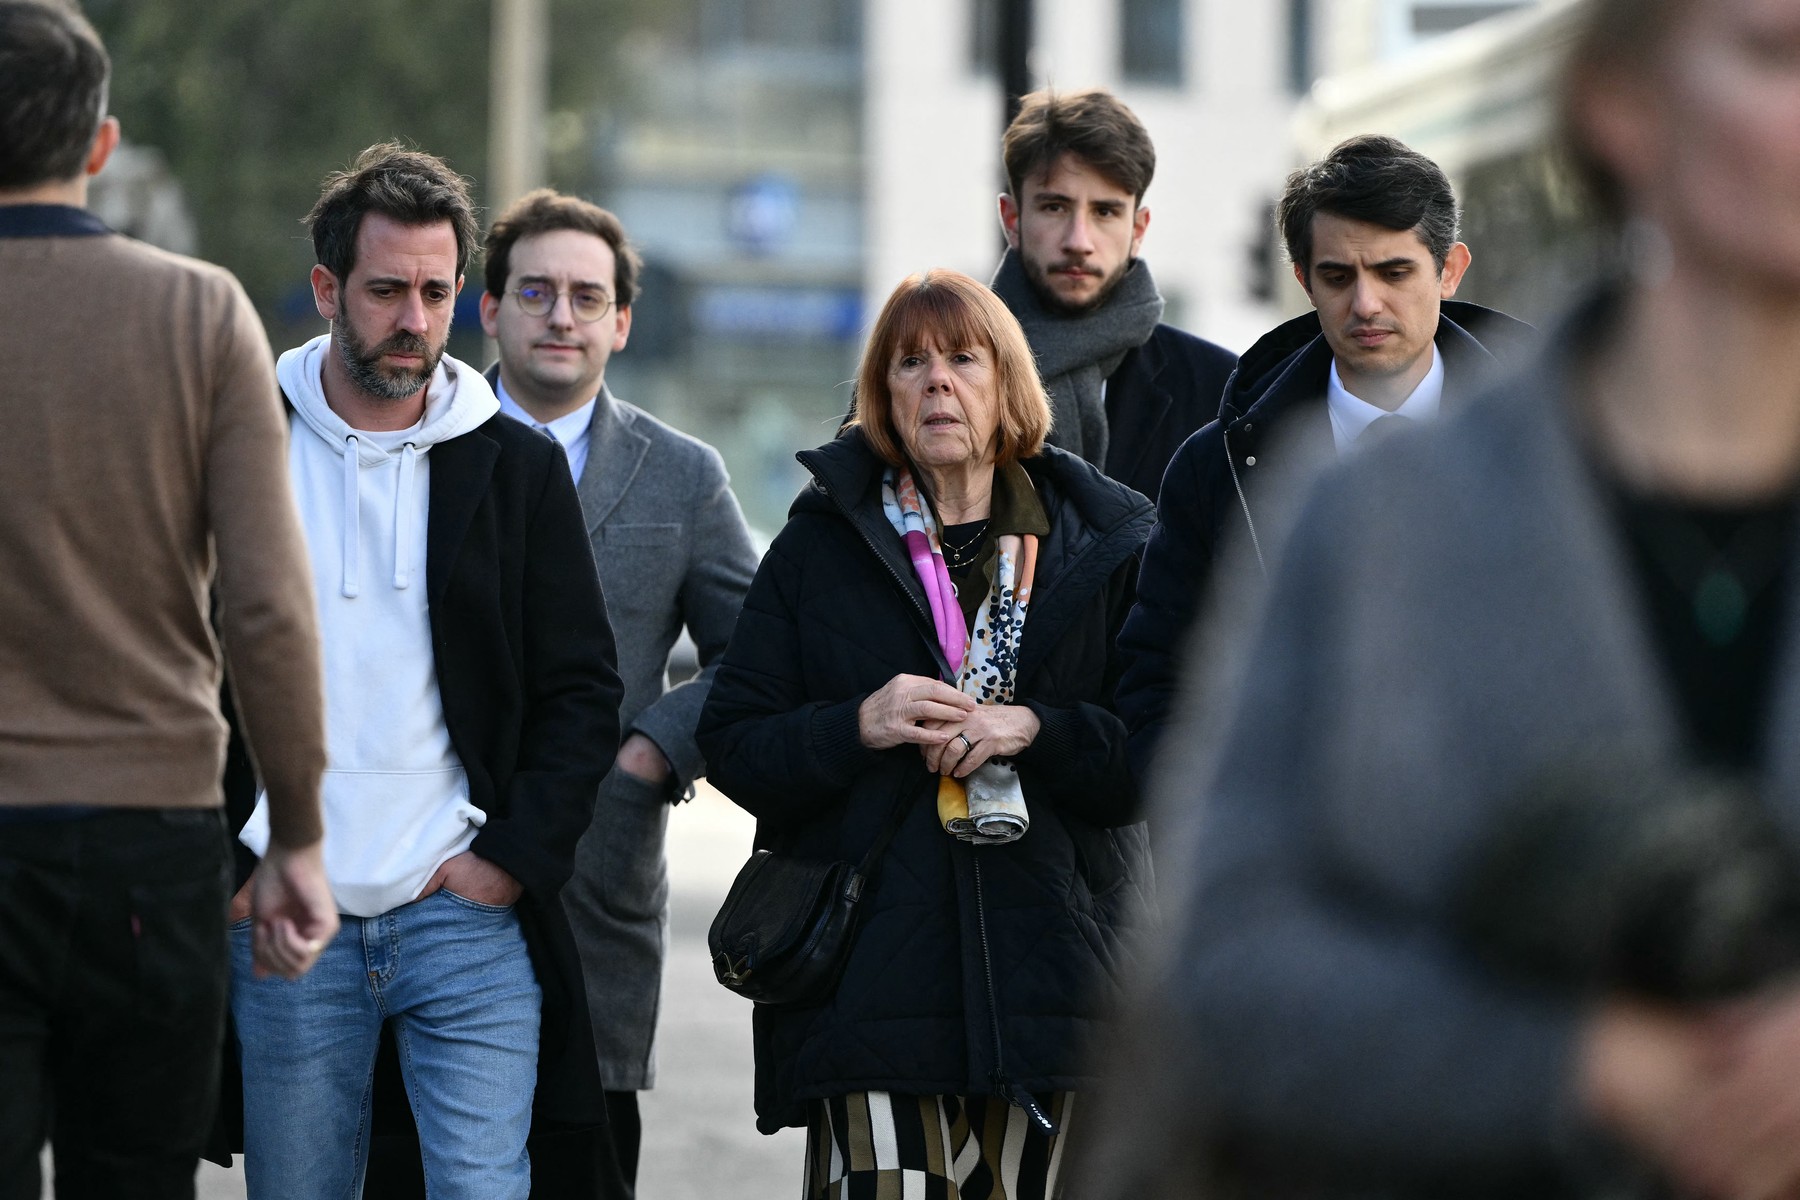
(1300, 386)
(1467, 363)
(460, 470)
(615, 453)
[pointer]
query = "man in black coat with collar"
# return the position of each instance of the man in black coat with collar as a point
(1372, 232)
(1125, 388)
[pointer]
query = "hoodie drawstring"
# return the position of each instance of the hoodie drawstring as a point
(352, 519)
(403, 517)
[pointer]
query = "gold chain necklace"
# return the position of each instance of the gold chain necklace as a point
(961, 556)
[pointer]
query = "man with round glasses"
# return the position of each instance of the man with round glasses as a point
(673, 551)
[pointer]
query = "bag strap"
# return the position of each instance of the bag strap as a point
(853, 887)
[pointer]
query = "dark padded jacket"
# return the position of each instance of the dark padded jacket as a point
(1276, 399)
(1163, 391)
(834, 613)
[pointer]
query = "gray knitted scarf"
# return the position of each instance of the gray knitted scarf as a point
(1076, 353)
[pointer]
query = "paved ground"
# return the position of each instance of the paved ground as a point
(700, 1139)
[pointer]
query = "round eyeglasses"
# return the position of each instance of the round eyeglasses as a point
(536, 300)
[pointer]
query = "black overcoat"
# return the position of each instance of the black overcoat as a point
(1162, 392)
(834, 613)
(527, 675)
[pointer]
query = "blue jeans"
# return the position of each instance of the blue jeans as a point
(454, 979)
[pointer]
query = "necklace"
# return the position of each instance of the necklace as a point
(958, 557)
(1718, 566)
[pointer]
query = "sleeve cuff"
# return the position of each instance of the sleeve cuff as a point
(669, 722)
(1059, 735)
(293, 823)
(837, 740)
(537, 872)
(680, 783)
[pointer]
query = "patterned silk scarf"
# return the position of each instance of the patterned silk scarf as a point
(988, 806)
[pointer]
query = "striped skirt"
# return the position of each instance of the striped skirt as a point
(882, 1146)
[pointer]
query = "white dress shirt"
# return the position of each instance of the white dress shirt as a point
(1351, 416)
(571, 429)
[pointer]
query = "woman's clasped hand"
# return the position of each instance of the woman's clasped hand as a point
(899, 711)
(955, 734)
(992, 731)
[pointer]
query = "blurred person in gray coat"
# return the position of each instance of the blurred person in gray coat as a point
(673, 552)
(1596, 557)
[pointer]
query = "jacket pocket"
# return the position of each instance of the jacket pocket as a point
(664, 534)
(626, 842)
(179, 942)
(480, 906)
(1098, 859)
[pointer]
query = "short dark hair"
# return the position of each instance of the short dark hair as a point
(1611, 36)
(1375, 179)
(546, 211)
(1092, 125)
(53, 77)
(408, 186)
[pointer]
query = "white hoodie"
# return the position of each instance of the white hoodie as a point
(395, 796)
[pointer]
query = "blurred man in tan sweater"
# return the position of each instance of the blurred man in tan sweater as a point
(141, 440)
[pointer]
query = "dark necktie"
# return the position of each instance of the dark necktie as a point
(1384, 426)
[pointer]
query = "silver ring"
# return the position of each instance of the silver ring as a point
(967, 744)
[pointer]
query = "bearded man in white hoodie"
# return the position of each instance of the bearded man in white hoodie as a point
(471, 707)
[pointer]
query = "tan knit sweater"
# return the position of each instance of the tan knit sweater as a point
(141, 436)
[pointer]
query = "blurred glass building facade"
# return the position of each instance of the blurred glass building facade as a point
(1480, 102)
(736, 165)
(782, 164)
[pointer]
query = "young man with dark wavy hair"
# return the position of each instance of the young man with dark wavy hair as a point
(1126, 388)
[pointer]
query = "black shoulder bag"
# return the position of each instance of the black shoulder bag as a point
(785, 930)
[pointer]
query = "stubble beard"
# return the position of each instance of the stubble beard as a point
(363, 363)
(1039, 279)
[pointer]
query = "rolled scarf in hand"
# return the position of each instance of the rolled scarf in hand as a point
(989, 806)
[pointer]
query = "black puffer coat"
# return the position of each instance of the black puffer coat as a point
(835, 612)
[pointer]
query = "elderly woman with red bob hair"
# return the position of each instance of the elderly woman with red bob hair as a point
(930, 640)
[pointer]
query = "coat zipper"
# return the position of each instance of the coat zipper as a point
(1003, 1087)
(1243, 501)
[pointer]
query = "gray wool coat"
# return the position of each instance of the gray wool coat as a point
(673, 551)
(1452, 615)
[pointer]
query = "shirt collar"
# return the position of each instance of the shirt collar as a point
(568, 429)
(1351, 415)
(49, 220)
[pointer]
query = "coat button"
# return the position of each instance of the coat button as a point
(1251, 461)
(1248, 427)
